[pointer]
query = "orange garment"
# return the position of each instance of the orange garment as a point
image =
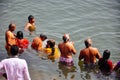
(22, 43)
(37, 43)
(10, 40)
(89, 55)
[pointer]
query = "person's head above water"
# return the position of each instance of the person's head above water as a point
(31, 19)
(51, 43)
(106, 54)
(43, 36)
(66, 37)
(88, 42)
(20, 35)
(12, 26)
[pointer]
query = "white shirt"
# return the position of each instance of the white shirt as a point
(15, 68)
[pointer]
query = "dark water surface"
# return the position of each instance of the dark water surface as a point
(97, 19)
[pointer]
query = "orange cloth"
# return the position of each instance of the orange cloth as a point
(37, 43)
(23, 43)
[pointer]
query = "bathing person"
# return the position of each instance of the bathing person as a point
(37, 42)
(22, 42)
(117, 66)
(105, 64)
(30, 26)
(52, 50)
(14, 67)
(67, 49)
(89, 54)
(44, 44)
(10, 37)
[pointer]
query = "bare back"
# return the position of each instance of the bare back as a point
(89, 55)
(66, 49)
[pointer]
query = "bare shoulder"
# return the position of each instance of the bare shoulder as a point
(27, 24)
(60, 43)
(94, 48)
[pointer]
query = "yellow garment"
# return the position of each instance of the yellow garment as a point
(56, 55)
(31, 28)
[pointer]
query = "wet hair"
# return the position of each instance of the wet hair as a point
(30, 17)
(51, 43)
(14, 50)
(103, 62)
(20, 35)
(10, 25)
(43, 36)
(66, 37)
(106, 54)
(88, 42)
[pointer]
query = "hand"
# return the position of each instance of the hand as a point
(72, 42)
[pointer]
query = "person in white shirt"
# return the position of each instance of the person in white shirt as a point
(14, 67)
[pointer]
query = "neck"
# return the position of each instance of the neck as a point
(88, 46)
(16, 56)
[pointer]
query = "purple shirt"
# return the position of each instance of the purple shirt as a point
(118, 64)
(15, 68)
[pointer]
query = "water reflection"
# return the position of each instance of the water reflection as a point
(88, 73)
(65, 70)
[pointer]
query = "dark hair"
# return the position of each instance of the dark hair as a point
(88, 42)
(19, 35)
(30, 17)
(106, 54)
(52, 45)
(43, 36)
(14, 50)
(10, 25)
(103, 62)
(65, 39)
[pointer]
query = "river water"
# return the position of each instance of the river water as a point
(97, 19)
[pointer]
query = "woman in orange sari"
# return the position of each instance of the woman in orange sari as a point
(22, 42)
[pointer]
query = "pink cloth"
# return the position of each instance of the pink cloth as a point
(66, 61)
(15, 68)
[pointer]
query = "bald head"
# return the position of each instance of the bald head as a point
(12, 26)
(66, 37)
(88, 42)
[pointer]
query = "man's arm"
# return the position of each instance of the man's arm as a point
(26, 72)
(81, 55)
